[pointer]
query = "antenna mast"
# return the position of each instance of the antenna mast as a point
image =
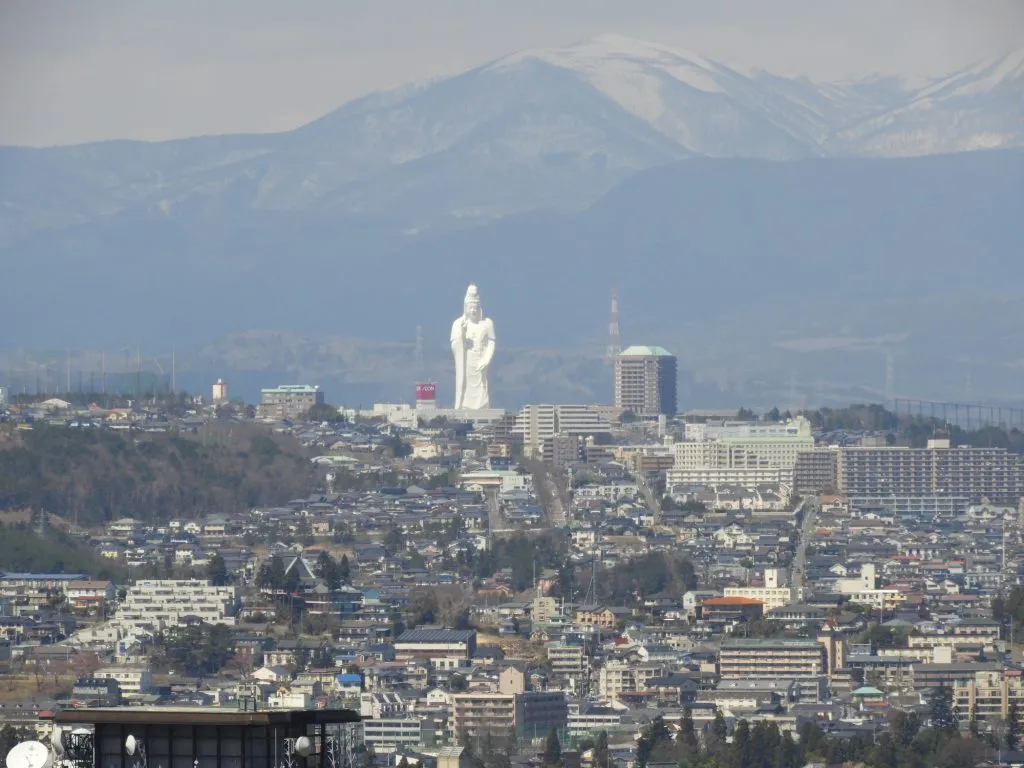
(418, 351)
(614, 339)
(890, 376)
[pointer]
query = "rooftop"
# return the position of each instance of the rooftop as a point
(755, 643)
(732, 601)
(642, 350)
(202, 716)
(436, 636)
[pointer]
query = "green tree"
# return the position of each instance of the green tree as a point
(552, 750)
(1012, 726)
(322, 658)
(687, 732)
(270, 576)
(398, 447)
(198, 649)
(602, 757)
(327, 569)
(394, 540)
(345, 570)
(457, 682)
(788, 753)
(940, 710)
(217, 571)
(423, 607)
(904, 727)
(653, 737)
(740, 750)
(718, 727)
(958, 753)
(324, 412)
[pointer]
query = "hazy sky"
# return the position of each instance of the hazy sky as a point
(77, 70)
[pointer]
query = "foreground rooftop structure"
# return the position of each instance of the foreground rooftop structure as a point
(208, 737)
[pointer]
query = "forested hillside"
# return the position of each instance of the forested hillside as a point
(23, 549)
(92, 476)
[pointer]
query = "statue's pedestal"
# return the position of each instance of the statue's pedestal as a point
(473, 416)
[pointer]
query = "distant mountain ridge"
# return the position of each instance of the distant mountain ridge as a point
(540, 129)
(751, 271)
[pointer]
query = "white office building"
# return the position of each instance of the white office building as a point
(537, 423)
(744, 454)
(774, 594)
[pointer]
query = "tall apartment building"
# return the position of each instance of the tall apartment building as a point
(645, 381)
(537, 422)
(816, 471)
(164, 602)
(618, 677)
(532, 713)
(288, 401)
(540, 424)
(567, 657)
(988, 694)
(937, 470)
(752, 658)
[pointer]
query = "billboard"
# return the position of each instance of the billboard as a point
(426, 392)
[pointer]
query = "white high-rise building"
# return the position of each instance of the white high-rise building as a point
(742, 454)
(537, 423)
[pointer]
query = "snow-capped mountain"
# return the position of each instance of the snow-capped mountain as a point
(981, 107)
(550, 128)
(705, 107)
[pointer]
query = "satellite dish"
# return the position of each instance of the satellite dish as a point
(29, 754)
(303, 746)
(130, 744)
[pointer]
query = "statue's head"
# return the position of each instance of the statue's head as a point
(471, 306)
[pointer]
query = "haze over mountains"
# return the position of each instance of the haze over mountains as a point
(707, 195)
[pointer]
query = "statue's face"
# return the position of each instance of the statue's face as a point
(473, 310)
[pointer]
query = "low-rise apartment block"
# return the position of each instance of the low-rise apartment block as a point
(780, 658)
(164, 602)
(289, 401)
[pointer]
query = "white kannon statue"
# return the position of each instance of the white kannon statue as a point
(473, 348)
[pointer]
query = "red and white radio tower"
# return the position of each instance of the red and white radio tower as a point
(614, 340)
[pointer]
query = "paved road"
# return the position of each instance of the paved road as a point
(810, 507)
(652, 503)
